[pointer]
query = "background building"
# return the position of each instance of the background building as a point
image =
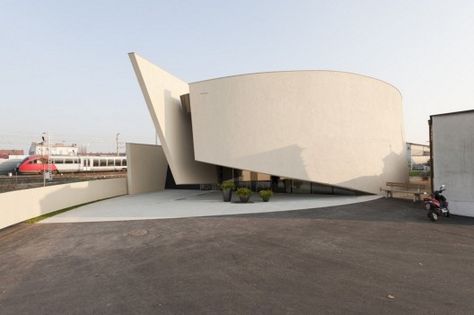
(42, 148)
(418, 156)
(5, 154)
(9, 159)
(321, 128)
(452, 147)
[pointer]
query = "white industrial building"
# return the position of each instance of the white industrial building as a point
(452, 147)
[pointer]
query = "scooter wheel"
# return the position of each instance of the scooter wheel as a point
(433, 216)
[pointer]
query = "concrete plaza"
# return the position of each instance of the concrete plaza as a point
(180, 203)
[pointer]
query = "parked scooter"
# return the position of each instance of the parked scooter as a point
(436, 204)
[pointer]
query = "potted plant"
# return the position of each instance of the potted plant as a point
(265, 194)
(244, 194)
(227, 187)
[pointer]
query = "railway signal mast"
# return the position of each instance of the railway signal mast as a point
(47, 174)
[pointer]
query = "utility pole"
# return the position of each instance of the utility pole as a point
(117, 142)
(42, 158)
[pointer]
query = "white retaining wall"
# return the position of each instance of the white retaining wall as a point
(21, 205)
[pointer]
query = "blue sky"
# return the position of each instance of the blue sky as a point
(64, 66)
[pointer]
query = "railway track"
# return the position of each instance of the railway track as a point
(65, 175)
(17, 182)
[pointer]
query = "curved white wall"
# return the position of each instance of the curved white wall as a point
(330, 127)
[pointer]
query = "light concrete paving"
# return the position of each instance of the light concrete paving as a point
(193, 203)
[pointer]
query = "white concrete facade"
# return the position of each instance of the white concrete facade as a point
(329, 127)
(162, 93)
(147, 168)
(452, 138)
(335, 128)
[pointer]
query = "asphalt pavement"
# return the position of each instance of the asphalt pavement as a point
(381, 256)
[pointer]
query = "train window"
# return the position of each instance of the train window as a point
(96, 162)
(117, 162)
(59, 161)
(124, 162)
(68, 161)
(103, 162)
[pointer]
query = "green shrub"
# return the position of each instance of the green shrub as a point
(265, 194)
(228, 184)
(243, 191)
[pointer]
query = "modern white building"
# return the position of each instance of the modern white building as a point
(452, 147)
(300, 131)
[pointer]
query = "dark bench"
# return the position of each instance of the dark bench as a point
(407, 188)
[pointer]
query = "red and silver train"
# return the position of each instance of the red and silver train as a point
(37, 164)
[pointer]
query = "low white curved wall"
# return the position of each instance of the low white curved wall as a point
(329, 127)
(18, 206)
